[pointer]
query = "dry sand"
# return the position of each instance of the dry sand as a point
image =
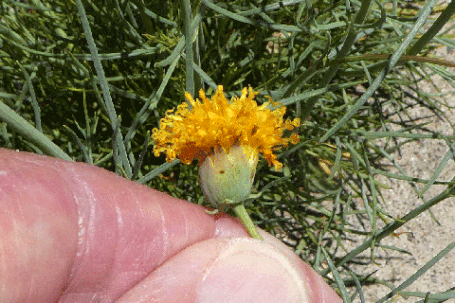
(423, 237)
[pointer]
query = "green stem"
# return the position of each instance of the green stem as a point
(379, 57)
(241, 212)
(26, 130)
(187, 20)
(445, 17)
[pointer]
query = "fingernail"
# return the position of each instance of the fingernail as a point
(252, 271)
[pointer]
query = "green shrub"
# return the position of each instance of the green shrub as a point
(89, 86)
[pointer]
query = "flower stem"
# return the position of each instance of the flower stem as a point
(241, 212)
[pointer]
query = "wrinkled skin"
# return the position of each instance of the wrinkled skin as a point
(71, 232)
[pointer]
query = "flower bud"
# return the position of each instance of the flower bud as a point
(226, 177)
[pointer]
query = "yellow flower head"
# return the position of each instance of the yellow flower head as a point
(218, 125)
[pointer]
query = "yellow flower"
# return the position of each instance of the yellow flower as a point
(217, 125)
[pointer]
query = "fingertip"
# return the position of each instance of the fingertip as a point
(232, 270)
(320, 291)
(253, 271)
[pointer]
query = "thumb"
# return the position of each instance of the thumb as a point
(232, 270)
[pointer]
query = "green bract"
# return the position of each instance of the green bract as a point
(227, 177)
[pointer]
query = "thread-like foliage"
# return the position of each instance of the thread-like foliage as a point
(90, 87)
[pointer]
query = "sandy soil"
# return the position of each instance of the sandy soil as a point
(423, 237)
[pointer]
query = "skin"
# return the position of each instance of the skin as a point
(71, 232)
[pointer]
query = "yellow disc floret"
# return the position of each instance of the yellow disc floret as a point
(218, 124)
